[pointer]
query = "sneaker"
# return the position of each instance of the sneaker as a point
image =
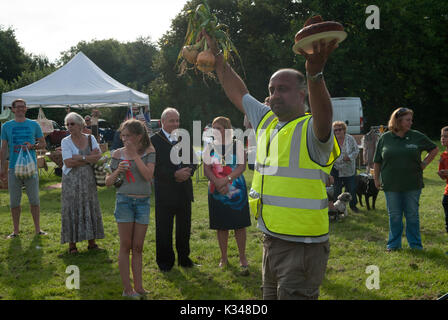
(133, 295)
(244, 271)
(144, 293)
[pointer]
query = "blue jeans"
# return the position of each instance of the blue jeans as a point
(397, 204)
(350, 187)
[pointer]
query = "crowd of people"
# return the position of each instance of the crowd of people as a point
(295, 154)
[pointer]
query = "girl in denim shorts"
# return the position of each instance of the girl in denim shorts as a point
(132, 170)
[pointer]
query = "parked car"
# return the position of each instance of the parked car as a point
(105, 131)
(155, 126)
(349, 110)
(54, 139)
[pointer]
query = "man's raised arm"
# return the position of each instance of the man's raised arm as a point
(320, 103)
(231, 82)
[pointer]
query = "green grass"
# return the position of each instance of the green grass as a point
(35, 267)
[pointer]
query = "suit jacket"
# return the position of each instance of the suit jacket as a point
(167, 190)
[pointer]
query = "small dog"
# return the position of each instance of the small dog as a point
(340, 206)
(365, 185)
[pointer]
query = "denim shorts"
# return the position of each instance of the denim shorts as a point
(130, 209)
(15, 189)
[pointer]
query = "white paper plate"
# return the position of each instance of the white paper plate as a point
(307, 43)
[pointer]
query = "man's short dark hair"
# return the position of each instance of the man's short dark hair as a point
(18, 100)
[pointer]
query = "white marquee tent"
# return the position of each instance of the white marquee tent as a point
(79, 84)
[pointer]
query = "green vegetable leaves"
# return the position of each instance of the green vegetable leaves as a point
(203, 19)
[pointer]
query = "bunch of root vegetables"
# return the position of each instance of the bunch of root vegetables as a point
(195, 53)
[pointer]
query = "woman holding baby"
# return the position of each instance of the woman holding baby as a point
(224, 164)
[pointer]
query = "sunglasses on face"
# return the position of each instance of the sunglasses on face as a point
(400, 112)
(71, 124)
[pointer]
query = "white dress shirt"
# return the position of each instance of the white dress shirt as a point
(171, 138)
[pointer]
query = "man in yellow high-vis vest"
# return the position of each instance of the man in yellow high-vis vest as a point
(295, 153)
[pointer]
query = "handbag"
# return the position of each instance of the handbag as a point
(25, 166)
(100, 168)
(100, 171)
(45, 124)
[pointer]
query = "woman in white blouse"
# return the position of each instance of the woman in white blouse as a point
(344, 169)
(81, 214)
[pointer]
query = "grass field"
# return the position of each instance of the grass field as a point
(34, 267)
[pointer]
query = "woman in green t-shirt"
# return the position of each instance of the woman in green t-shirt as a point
(398, 162)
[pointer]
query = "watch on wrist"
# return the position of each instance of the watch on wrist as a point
(229, 178)
(316, 77)
(83, 158)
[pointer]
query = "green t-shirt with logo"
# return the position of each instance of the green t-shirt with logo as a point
(400, 159)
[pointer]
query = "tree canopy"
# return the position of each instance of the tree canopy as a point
(401, 64)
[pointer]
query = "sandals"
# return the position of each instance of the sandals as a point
(244, 271)
(143, 294)
(15, 235)
(223, 264)
(73, 250)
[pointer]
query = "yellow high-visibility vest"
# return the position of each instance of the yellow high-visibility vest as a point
(288, 187)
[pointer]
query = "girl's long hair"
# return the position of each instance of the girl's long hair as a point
(137, 127)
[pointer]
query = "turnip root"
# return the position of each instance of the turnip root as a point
(205, 61)
(195, 50)
(190, 53)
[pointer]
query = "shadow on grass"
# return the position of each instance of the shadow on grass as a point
(25, 269)
(99, 277)
(438, 256)
(338, 291)
(362, 226)
(195, 284)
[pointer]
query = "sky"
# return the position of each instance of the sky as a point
(49, 27)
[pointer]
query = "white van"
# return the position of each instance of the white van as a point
(349, 110)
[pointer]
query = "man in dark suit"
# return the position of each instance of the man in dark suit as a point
(173, 195)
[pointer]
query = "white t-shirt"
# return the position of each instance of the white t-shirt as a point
(69, 149)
